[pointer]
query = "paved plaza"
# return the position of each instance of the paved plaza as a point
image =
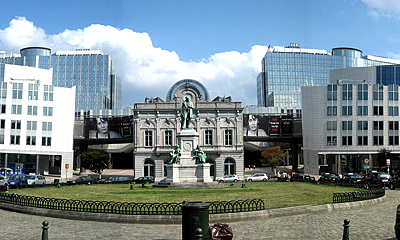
(370, 222)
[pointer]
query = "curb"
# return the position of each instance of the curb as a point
(177, 219)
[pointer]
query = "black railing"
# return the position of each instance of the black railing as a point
(127, 208)
(357, 196)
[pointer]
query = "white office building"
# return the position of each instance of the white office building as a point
(37, 122)
(346, 123)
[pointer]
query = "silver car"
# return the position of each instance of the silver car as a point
(3, 182)
(35, 180)
(229, 178)
(258, 177)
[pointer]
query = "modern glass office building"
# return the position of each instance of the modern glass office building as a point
(92, 72)
(286, 69)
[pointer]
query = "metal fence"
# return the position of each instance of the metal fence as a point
(357, 196)
(128, 208)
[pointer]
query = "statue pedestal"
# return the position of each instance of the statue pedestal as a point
(187, 171)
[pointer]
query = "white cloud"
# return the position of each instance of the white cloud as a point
(386, 8)
(146, 71)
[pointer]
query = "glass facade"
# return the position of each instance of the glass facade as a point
(286, 69)
(91, 72)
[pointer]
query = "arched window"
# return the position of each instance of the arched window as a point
(148, 168)
(212, 167)
(229, 166)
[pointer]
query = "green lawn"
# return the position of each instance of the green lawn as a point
(274, 194)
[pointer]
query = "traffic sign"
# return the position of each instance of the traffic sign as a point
(366, 160)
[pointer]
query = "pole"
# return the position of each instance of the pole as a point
(346, 226)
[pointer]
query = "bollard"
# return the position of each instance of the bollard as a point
(131, 186)
(194, 216)
(346, 226)
(45, 233)
(199, 233)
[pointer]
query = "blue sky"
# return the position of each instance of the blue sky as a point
(219, 43)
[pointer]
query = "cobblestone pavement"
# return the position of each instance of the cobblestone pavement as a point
(370, 222)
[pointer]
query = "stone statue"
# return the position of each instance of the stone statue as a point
(175, 155)
(200, 154)
(186, 113)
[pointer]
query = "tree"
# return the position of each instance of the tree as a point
(273, 156)
(383, 154)
(96, 161)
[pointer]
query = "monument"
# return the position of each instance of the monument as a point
(187, 165)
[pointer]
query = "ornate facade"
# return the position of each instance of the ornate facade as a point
(219, 124)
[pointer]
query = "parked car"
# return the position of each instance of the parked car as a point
(17, 181)
(82, 180)
(380, 178)
(3, 182)
(229, 178)
(115, 180)
(35, 180)
(258, 177)
(329, 177)
(351, 178)
(301, 177)
(144, 180)
(397, 224)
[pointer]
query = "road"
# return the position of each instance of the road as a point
(370, 222)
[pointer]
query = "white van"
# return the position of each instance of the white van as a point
(36, 180)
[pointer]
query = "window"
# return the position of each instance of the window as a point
(347, 93)
(332, 111)
(331, 140)
(362, 110)
(47, 111)
(347, 125)
(2, 123)
(32, 110)
(48, 93)
(15, 140)
(393, 125)
(378, 110)
(362, 140)
(393, 92)
(378, 140)
(16, 109)
(148, 138)
(3, 108)
(362, 91)
(17, 91)
(47, 126)
(31, 125)
(347, 140)
(332, 92)
(393, 140)
(1, 138)
(31, 140)
(168, 138)
(46, 141)
(208, 137)
(228, 137)
(15, 124)
(362, 125)
(378, 125)
(347, 110)
(33, 92)
(393, 111)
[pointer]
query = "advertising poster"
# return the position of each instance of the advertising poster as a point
(255, 125)
(286, 125)
(108, 127)
(274, 126)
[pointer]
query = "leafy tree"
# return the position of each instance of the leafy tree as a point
(383, 154)
(273, 156)
(96, 161)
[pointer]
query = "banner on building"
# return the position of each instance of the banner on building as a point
(108, 127)
(264, 126)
